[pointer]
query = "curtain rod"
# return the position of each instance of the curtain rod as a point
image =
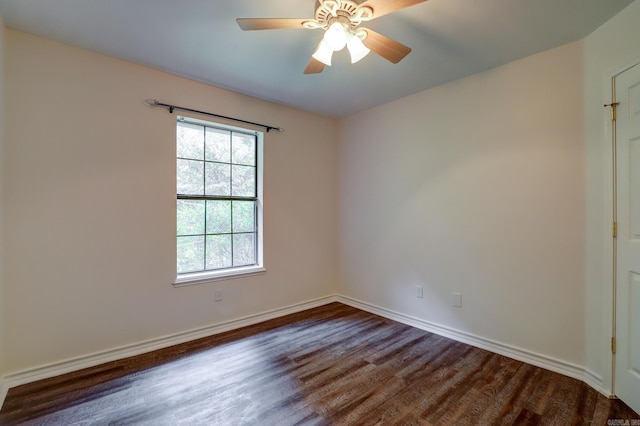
(171, 108)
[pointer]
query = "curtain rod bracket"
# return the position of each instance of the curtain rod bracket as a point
(171, 108)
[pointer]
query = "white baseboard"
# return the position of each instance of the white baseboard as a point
(533, 358)
(74, 364)
(4, 388)
(595, 381)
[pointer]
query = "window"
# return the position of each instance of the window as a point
(219, 214)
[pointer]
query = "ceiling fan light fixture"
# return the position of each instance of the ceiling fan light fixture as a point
(323, 53)
(340, 20)
(357, 49)
(336, 36)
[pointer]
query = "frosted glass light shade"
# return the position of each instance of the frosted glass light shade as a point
(357, 49)
(336, 36)
(323, 53)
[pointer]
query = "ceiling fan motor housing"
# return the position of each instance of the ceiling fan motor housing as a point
(347, 12)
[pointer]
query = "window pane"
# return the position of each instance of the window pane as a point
(190, 177)
(190, 217)
(190, 141)
(244, 149)
(218, 179)
(190, 254)
(218, 217)
(244, 249)
(218, 251)
(244, 216)
(244, 181)
(218, 146)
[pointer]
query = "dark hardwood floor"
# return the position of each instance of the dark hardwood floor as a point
(332, 365)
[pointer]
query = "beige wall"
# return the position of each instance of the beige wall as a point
(2, 130)
(90, 206)
(475, 187)
(608, 50)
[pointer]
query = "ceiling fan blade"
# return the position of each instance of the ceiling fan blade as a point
(384, 7)
(389, 49)
(249, 24)
(314, 66)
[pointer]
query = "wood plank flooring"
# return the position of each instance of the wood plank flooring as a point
(332, 365)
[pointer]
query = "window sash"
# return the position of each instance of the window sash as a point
(255, 231)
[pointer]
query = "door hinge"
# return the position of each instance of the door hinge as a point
(614, 229)
(614, 110)
(614, 345)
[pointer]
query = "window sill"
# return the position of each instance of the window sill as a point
(206, 277)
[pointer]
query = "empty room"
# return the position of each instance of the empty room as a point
(323, 212)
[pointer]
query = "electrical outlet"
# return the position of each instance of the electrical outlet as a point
(217, 294)
(457, 300)
(419, 291)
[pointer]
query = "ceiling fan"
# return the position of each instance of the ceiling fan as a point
(341, 19)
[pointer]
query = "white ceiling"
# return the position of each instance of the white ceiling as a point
(200, 39)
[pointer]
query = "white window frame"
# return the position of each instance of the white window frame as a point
(241, 271)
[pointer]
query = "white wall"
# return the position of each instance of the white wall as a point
(475, 187)
(607, 50)
(90, 206)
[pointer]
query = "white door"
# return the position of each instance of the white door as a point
(628, 242)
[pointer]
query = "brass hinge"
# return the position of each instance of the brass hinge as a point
(614, 345)
(614, 229)
(614, 110)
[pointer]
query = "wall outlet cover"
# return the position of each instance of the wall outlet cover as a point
(457, 300)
